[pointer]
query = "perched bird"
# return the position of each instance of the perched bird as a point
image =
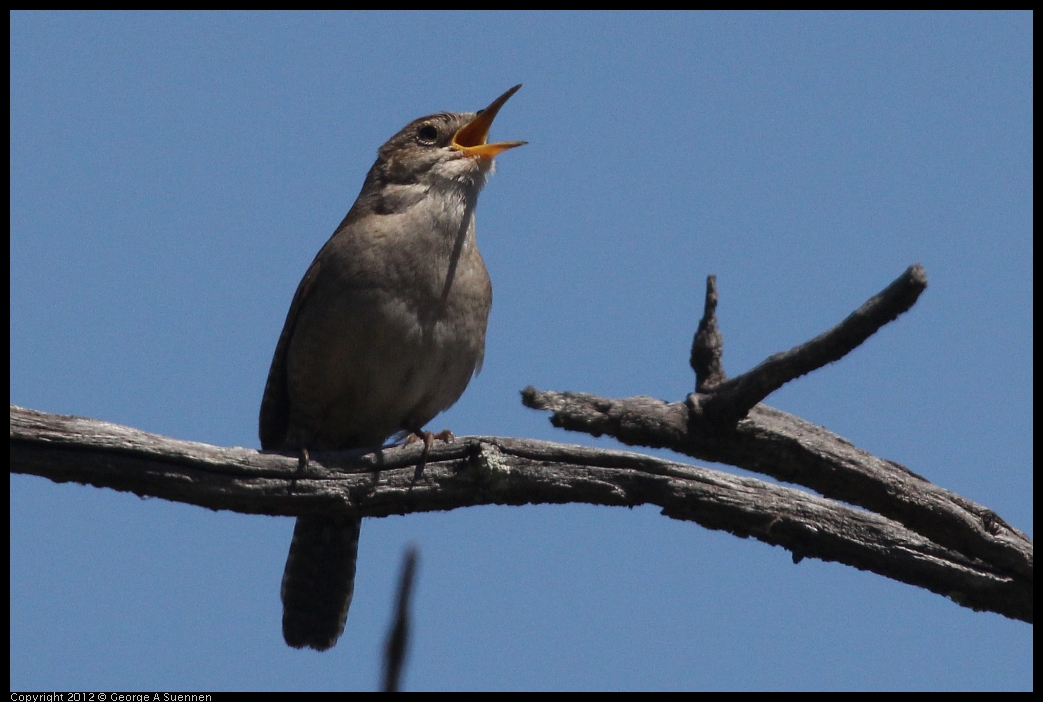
(384, 332)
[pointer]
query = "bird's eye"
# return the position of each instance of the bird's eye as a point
(427, 134)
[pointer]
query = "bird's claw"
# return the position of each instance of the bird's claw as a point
(428, 438)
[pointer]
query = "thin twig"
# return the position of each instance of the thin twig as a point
(708, 344)
(398, 636)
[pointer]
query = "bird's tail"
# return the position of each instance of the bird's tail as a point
(318, 580)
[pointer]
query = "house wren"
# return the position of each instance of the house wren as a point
(384, 332)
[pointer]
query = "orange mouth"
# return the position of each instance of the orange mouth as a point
(473, 137)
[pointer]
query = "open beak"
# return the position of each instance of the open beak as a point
(472, 137)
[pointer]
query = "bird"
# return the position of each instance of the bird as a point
(384, 332)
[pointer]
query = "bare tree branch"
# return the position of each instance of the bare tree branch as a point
(785, 447)
(493, 470)
(915, 532)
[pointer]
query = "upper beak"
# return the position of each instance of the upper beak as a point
(472, 137)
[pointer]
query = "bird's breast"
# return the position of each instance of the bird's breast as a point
(389, 337)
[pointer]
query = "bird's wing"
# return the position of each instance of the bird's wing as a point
(275, 405)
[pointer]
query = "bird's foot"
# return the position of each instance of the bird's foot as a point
(428, 438)
(302, 467)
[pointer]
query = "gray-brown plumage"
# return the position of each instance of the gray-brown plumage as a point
(384, 332)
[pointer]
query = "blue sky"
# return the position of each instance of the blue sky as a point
(172, 176)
